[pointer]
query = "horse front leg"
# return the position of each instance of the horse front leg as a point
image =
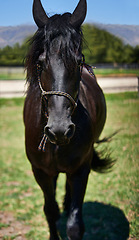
(77, 183)
(51, 209)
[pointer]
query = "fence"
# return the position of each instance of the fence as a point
(8, 69)
(117, 65)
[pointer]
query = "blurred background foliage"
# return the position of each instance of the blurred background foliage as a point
(102, 47)
(99, 46)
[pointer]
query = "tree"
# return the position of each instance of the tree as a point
(103, 46)
(99, 46)
(136, 54)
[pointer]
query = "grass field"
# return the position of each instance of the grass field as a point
(116, 72)
(111, 201)
(99, 72)
(12, 76)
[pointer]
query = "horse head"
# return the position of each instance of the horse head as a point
(60, 62)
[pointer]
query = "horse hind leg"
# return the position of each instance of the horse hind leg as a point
(51, 209)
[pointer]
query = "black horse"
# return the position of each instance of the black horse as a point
(64, 114)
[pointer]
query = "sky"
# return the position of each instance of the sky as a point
(16, 12)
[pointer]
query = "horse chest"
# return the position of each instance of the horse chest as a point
(54, 160)
(64, 159)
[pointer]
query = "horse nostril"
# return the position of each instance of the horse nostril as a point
(70, 132)
(50, 134)
(58, 136)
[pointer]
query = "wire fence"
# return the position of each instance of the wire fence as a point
(18, 69)
(117, 65)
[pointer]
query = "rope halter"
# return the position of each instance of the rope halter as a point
(49, 93)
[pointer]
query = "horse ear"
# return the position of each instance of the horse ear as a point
(79, 14)
(39, 14)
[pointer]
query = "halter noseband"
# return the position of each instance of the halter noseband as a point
(59, 93)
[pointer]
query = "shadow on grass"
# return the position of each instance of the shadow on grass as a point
(102, 222)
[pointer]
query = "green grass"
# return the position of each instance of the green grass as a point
(119, 72)
(111, 199)
(12, 76)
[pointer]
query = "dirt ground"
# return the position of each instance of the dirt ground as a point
(17, 88)
(10, 227)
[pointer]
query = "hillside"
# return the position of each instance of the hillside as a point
(11, 35)
(128, 33)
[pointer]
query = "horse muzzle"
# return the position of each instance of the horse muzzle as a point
(58, 135)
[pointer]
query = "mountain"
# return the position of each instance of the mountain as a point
(128, 33)
(11, 35)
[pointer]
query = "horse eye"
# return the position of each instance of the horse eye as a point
(42, 57)
(42, 60)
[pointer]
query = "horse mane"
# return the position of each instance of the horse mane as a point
(57, 36)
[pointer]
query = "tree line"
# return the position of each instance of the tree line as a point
(99, 46)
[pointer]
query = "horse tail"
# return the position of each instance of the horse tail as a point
(102, 161)
(102, 164)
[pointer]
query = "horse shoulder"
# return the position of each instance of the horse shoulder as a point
(93, 100)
